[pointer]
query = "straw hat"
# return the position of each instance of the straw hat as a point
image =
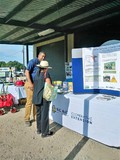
(44, 64)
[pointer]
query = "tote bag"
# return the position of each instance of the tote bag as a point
(50, 92)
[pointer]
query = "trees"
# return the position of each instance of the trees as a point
(2, 64)
(15, 64)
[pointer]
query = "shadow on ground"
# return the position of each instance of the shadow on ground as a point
(77, 149)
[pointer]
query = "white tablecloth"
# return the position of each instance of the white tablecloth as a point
(17, 92)
(96, 116)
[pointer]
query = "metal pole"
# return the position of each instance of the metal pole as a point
(27, 55)
(23, 57)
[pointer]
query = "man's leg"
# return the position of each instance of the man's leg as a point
(28, 106)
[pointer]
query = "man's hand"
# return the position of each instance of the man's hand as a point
(31, 86)
(27, 73)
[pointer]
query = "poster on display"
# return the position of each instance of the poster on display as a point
(68, 70)
(99, 69)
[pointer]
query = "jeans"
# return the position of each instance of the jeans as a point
(28, 106)
(43, 117)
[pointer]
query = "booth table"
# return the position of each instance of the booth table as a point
(96, 116)
(17, 92)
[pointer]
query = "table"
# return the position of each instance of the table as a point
(96, 116)
(17, 92)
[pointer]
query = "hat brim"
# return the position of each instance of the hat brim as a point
(38, 65)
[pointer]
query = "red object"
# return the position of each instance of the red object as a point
(13, 110)
(19, 83)
(6, 100)
(1, 112)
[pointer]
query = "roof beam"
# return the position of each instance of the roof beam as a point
(24, 35)
(24, 24)
(108, 13)
(8, 42)
(10, 33)
(13, 23)
(80, 11)
(48, 38)
(21, 24)
(27, 34)
(50, 10)
(39, 39)
(16, 10)
(38, 28)
(94, 18)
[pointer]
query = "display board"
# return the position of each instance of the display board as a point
(96, 69)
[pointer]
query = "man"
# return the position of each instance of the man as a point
(30, 73)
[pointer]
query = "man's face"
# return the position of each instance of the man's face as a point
(41, 56)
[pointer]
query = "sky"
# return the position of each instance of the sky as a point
(14, 52)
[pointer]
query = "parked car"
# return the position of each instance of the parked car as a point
(19, 74)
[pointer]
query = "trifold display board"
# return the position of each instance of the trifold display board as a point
(96, 70)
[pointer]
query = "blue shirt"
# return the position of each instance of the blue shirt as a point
(32, 68)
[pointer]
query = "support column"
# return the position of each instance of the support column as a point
(27, 54)
(70, 45)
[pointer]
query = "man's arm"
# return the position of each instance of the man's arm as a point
(27, 73)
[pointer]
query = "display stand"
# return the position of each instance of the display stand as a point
(78, 76)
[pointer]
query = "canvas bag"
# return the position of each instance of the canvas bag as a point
(6, 99)
(50, 92)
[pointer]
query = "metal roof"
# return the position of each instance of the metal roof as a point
(21, 20)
